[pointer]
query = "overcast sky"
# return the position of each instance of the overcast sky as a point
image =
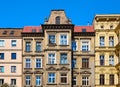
(20, 13)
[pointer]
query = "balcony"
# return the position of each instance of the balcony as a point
(85, 86)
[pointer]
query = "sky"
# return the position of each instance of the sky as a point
(20, 13)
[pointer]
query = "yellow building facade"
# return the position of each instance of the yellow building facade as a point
(105, 57)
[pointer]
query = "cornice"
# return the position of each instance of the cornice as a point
(84, 34)
(57, 26)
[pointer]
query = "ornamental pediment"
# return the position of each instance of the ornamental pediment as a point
(28, 72)
(64, 68)
(51, 68)
(85, 72)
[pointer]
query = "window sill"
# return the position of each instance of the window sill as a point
(51, 64)
(38, 86)
(38, 68)
(28, 68)
(64, 83)
(51, 84)
(75, 68)
(64, 64)
(102, 46)
(28, 51)
(54, 44)
(63, 45)
(38, 51)
(85, 68)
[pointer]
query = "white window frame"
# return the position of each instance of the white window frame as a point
(52, 78)
(39, 80)
(102, 43)
(86, 44)
(27, 62)
(28, 80)
(2, 43)
(65, 62)
(51, 59)
(40, 62)
(13, 69)
(13, 82)
(64, 76)
(54, 39)
(86, 80)
(60, 39)
(111, 60)
(14, 43)
(111, 41)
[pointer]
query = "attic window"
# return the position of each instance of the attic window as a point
(83, 30)
(101, 26)
(111, 26)
(4, 32)
(57, 20)
(11, 32)
(33, 30)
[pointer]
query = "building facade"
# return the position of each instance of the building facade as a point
(11, 57)
(61, 54)
(117, 30)
(105, 57)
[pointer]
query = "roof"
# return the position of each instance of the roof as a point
(10, 32)
(79, 28)
(32, 29)
(28, 29)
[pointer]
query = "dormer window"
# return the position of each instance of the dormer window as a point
(101, 26)
(83, 30)
(33, 30)
(4, 32)
(57, 20)
(11, 32)
(111, 26)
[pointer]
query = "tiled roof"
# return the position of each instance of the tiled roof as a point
(79, 28)
(32, 29)
(29, 29)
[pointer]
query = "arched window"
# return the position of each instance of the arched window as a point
(57, 20)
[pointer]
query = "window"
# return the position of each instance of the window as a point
(63, 39)
(13, 55)
(74, 45)
(111, 60)
(33, 30)
(51, 58)
(38, 63)
(102, 42)
(38, 46)
(51, 39)
(74, 80)
(2, 43)
(28, 80)
(4, 32)
(28, 46)
(83, 30)
(13, 43)
(1, 69)
(57, 20)
(85, 63)
(63, 77)
(101, 59)
(111, 41)
(101, 26)
(111, 78)
(74, 63)
(38, 80)
(28, 63)
(85, 46)
(1, 55)
(111, 26)
(13, 69)
(51, 78)
(101, 79)
(1, 82)
(85, 81)
(63, 58)
(11, 32)
(13, 81)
